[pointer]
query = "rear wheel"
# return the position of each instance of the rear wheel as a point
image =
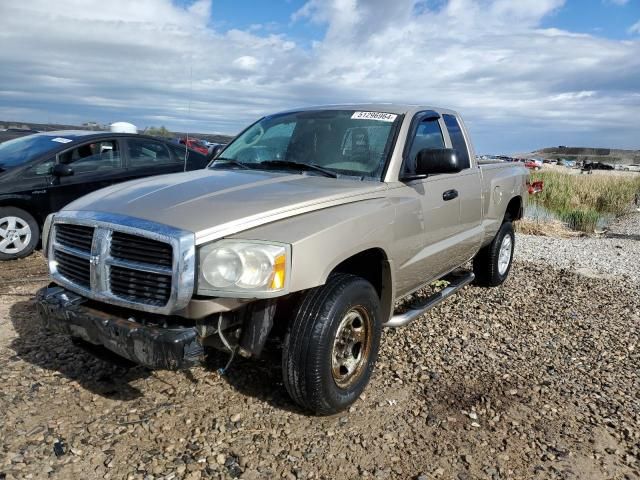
(19, 233)
(492, 264)
(332, 343)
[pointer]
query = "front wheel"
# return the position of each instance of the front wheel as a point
(19, 233)
(331, 344)
(492, 264)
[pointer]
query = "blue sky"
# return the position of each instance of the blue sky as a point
(272, 16)
(524, 74)
(610, 19)
(607, 18)
(597, 17)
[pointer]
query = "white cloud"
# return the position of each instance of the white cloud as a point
(123, 60)
(246, 62)
(635, 28)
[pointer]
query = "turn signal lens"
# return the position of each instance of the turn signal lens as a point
(279, 272)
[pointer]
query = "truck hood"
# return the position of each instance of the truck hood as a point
(217, 203)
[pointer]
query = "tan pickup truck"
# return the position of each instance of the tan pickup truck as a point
(304, 232)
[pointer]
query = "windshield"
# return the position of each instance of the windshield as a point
(19, 151)
(346, 142)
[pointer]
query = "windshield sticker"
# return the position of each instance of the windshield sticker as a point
(383, 117)
(61, 140)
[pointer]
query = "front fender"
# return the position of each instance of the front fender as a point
(323, 239)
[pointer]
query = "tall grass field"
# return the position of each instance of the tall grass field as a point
(581, 200)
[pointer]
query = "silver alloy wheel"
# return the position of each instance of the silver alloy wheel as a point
(15, 235)
(504, 257)
(351, 347)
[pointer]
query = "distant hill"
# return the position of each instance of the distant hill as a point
(605, 155)
(48, 127)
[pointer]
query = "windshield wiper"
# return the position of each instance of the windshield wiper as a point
(299, 165)
(229, 161)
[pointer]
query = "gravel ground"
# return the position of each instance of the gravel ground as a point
(617, 255)
(536, 379)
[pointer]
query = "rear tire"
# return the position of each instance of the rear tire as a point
(19, 233)
(331, 344)
(492, 264)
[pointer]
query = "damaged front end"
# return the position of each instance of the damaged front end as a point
(156, 341)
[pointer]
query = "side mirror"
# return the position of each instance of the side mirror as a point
(443, 160)
(62, 170)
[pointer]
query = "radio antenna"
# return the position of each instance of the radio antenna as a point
(186, 142)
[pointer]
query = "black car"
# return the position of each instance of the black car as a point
(41, 173)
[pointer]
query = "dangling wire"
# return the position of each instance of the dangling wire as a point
(226, 343)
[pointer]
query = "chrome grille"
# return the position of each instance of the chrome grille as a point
(75, 236)
(75, 269)
(122, 260)
(135, 285)
(140, 249)
(73, 254)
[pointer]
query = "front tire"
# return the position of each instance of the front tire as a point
(19, 233)
(331, 344)
(492, 264)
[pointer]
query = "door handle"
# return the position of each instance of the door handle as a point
(449, 195)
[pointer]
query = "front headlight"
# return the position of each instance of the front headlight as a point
(46, 229)
(243, 268)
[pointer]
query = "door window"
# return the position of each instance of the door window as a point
(428, 135)
(180, 152)
(145, 153)
(457, 140)
(41, 169)
(93, 157)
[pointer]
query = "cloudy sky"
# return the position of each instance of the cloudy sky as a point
(524, 74)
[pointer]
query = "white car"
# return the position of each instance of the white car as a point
(633, 168)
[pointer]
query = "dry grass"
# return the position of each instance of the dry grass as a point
(580, 200)
(601, 193)
(545, 228)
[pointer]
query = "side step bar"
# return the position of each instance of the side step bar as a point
(457, 280)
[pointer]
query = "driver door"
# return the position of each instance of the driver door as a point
(432, 253)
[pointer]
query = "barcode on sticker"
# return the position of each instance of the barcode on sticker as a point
(61, 140)
(383, 117)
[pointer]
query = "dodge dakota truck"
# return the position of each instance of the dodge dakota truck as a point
(303, 233)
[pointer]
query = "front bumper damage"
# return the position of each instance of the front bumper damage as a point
(153, 346)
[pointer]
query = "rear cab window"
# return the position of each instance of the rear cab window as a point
(458, 142)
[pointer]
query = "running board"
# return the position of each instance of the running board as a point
(457, 280)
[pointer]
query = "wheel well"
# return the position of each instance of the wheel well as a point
(514, 210)
(367, 264)
(23, 205)
(372, 265)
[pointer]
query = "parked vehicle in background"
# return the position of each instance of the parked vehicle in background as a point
(215, 149)
(533, 165)
(41, 173)
(306, 230)
(632, 168)
(11, 133)
(588, 166)
(567, 163)
(196, 144)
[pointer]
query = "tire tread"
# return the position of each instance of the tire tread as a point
(485, 263)
(302, 365)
